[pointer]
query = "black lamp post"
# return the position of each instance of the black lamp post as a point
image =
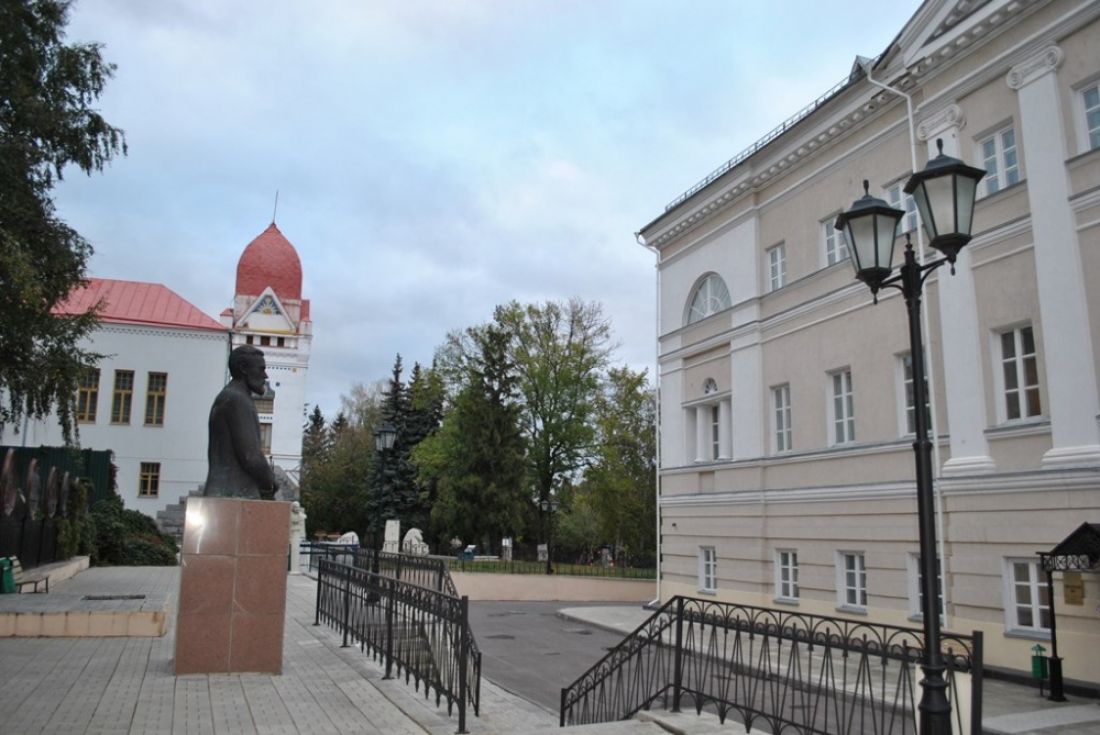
(548, 507)
(944, 192)
(384, 437)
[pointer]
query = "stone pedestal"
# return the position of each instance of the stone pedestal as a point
(232, 600)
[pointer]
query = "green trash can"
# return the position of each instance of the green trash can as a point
(7, 577)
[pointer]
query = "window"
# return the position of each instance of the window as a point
(998, 157)
(715, 453)
(781, 396)
(280, 342)
(1020, 373)
(265, 437)
(916, 590)
(265, 341)
(1027, 606)
(154, 399)
(910, 401)
(87, 395)
(1090, 96)
(843, 415)
(900, 200)
(836, 249)
(708, 569)
(266, 402)
(786, 574)
(710, 297)
(777, 267)
(149, 482)
(851, 580)
(248, 340)
(123, 397)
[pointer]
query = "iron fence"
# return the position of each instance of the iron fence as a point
(796, 673)
(520, 566)
(425, 571)
(422, 632)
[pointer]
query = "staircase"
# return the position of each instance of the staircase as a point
(170, 520)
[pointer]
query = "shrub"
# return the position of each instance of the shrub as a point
(127, 537)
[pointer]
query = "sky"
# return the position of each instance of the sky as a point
(435, 158)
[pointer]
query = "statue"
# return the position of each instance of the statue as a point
(237, 466)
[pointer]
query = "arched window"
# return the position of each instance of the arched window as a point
(710, 386)
(709, 297)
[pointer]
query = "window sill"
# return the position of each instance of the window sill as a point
(793, 601)
(712, 592)
(1030, 635)
(851, 609)
(1004, 190)
(1019, 427)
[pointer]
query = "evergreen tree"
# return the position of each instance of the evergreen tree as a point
(393, 493)
(426, 399)
(47, 89)
(316, 441)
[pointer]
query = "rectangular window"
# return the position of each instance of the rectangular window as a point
(264, 404)
(123, 397)
(781, 396)
(786, 574)
(265, 437)
(155, 393)
(1027, 606)
(910, 398)
(998, 157)
(852, 579)
(1020, 372)
(265, 341)
(898, 199)
(777, 267)
(1090, 96)
(149, 483)
(708, 569)
(916, 590)
(843, 413)
(836, 248)
(87, 395)
(714, 424)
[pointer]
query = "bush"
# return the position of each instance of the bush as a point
(75, 532)
(126, 537)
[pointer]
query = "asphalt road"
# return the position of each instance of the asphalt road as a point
(527, 649)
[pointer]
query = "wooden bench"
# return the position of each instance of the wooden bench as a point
(22, 579)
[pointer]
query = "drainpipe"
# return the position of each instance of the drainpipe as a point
(657, 383)
(867, 64)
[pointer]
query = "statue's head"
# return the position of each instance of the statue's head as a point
(247, 363)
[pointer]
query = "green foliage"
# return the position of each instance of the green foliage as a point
(47, 89)
(126, 537)
(75, 532)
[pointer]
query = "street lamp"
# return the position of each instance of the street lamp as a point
(944, 192)
(384, 437)
(548, 506)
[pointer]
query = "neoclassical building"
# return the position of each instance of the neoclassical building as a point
(786, 418)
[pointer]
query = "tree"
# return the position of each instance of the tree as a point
(559, 351)
(393, 492)
(47, 89)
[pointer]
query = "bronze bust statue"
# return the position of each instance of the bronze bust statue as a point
(237, 466)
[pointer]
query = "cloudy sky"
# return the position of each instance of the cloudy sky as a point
(435, 158)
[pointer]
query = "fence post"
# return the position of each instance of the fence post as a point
(347, 605)
(439, 577)
(390, 602)
(678, 660)
(320, 577)
(977, 677)
(561, 719)
(463, 659)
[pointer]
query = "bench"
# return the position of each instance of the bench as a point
(22, 579)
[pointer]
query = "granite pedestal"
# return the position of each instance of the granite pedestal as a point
(232, 600)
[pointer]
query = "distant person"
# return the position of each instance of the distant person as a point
(237, 465)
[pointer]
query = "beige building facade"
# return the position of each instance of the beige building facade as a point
(787, 472)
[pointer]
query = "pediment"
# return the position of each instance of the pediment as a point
(943, 28)
(266, 314)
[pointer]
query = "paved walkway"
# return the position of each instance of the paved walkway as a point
(127, 685)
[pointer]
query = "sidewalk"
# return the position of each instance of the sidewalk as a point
(1007, 709)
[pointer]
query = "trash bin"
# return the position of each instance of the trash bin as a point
(7, 577)
(1038, 662)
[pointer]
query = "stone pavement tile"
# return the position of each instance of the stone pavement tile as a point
(115, 711)
(229, 706)
(269, 714)
(1048, 720)
(192, 714)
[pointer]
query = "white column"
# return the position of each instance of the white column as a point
(1067, 344)
(702, 433)
(724, 426)
(959, 332)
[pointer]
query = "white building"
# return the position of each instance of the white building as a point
(148, 399)
(787, 473)
(269, 312)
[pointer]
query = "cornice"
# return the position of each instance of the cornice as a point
(1035, 67)
(153, 330)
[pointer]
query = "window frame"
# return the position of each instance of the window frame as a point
(1019, 361)
(786, 576)
(897, 198)
(913, 585)
(708, 569)
(783, 435)
(722, 298)
(155, 400)
(266, 434)
(860, 588)
(87, 395)
(907, 414)
(777, 267)
(149, 480)
(834, 246)
(1085, 142)
(1001, 172)
(122, 399)
(1037, 591)
(846, 418)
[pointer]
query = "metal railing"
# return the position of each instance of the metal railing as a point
(796, 673)
(420, 631)
(426, 571)
(520, 566)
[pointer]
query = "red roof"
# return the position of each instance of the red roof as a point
(270, 260)
(134, 302)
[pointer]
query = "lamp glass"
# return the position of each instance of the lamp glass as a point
(384, 437)
(966, 191)
(941, 202)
